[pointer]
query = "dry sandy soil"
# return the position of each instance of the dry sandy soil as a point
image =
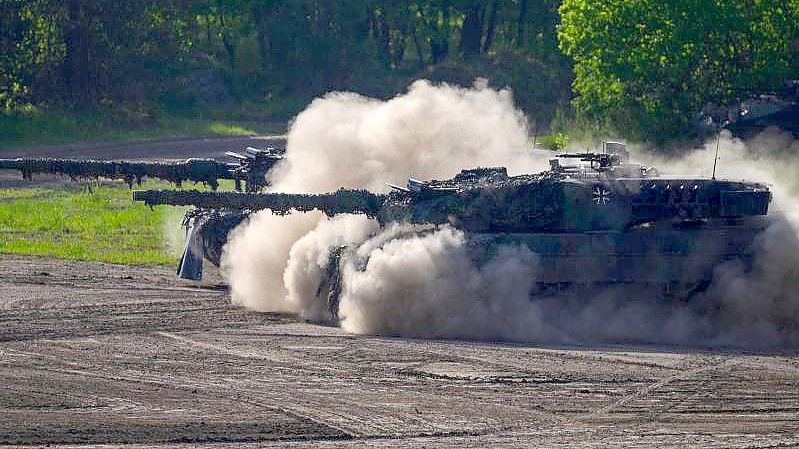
(95, 354)
(101, 354)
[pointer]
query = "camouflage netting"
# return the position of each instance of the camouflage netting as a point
(251, 169)
(343, 201)
(197, 170)
(477, 200)
(483, 199)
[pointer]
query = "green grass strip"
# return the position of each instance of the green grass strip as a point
(99, 225)
(29, 127)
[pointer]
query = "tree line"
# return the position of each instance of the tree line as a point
(79, 53)
(638, 65)
(650, 67)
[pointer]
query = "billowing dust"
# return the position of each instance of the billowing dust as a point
(407, 280)
(347, 140)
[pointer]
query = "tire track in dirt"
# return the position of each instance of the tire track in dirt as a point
(188, 385)
(144, 366)
(219, 348)
(355, 414)
(649, 389)
(348, 416)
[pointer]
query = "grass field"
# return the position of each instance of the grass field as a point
(34, 127)
(99, 225)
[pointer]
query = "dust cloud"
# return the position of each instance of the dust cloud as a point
(347, 140)
(430, 132)
(419, 281)
(309, 256)
(255, 257)
(427, 285)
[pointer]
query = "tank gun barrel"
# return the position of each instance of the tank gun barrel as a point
(585, 156)
(197, 170)
(250, 168)
(342, 201)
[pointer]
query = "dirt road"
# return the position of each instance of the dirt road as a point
(178, 148)
(100, 354)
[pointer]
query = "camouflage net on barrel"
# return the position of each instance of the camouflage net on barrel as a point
(207, 171)
(342, 201)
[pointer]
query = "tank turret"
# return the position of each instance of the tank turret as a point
(603, 193)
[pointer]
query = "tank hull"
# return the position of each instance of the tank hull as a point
(660, 254)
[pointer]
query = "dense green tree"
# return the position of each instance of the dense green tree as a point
(649, 67)
(86, 52)
(194, 54)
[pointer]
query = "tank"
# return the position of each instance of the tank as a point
(593, 218)
(247, 169)
(755, 112)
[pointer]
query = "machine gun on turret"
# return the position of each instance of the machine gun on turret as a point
(598, 161)
(249, 168)
(613, 154)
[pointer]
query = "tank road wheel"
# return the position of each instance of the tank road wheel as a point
(214, 234)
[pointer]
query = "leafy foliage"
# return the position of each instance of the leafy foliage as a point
(649, 66)
(555, 142)
(192, 55)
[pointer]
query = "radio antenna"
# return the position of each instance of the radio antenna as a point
(716, 159)
(718, 141)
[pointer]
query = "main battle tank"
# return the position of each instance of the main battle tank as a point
(248, 169)
(593, 219)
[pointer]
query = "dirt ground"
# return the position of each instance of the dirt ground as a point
(108, 355)
(96, 354)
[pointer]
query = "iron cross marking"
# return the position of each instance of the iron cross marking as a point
(602, 195)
